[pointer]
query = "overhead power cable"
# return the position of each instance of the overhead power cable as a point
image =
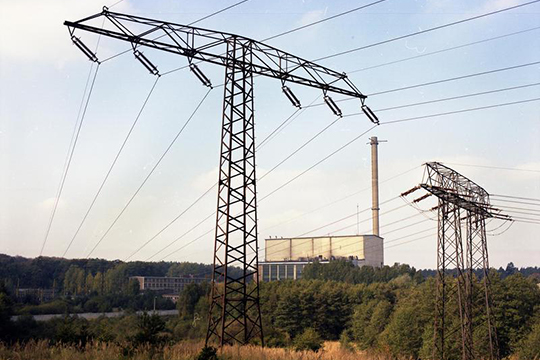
(443, 50)
(456, 78)
(111, 167)
(400, 120)
(453, 112)
(169, 224)
(182, 236)
(426, 30)
(495, 167)
(213, 213)
(300, 148)
(336, 241)
(516, 197)
(353, 215)
(68, 162)
(340, 199)
(324, 20)
(338, 221)
(319, 162)
(504, 207)
(150, 173)
(444, 99)
(307, 241)
(516, 202)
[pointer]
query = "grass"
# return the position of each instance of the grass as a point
(41, 350)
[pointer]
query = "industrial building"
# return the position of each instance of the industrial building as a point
(285, 258)
(164, 283)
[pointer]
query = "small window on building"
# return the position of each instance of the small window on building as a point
(266, 272)
(299, 269)
(281, 268)
(273, 272)
(290, 271)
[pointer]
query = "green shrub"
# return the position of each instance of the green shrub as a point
(308, 340)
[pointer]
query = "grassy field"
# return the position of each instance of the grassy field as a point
(180, 351)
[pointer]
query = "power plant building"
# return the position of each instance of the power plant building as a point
(285, 258)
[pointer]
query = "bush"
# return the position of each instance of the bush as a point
(308, 340)
(208, 353)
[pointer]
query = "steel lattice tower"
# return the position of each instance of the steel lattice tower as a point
(234, 310)
(463, 207)
(234, 314)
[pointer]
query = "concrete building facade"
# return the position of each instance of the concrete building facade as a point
(285, 258)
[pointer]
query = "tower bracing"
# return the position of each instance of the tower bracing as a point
(463, 207)
(234, 314)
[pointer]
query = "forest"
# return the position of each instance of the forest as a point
(386, 313)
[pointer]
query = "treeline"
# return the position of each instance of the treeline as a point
(388, 311)
(88, 276)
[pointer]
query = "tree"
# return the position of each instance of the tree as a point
(188, 299)
(149, 327)
(308, 340)
(6, 310)
(529, 347)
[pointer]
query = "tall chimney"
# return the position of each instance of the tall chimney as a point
(375, 184)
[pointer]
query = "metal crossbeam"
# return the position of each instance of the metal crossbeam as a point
(211, 46)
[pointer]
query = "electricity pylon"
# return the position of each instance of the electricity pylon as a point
(463, 207)
(234, 314)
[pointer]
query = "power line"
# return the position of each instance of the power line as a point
(189, 243)
(516, 202)
(111, 167)
(323, 20)
(504, 207)
(442, 50)
(444, 99)
(384, 242)
(320, 162)
(495, 168)
(266, 140)
(300, 148)
(209, 216)
(456, 78)
(459, 97)
(454, 112)
(516, 197)
(343, 246)
(426, 30)
(68, 164)
(181, 236)
(361, 221)
(342, 219)
(150, 173)
(170, 223)
(339, 200)
(389, 122)
(410, 241)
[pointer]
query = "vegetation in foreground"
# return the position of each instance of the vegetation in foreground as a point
(181, 351)
(383, 313)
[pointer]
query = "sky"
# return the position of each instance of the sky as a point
(42, 84)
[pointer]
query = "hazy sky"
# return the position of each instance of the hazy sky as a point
(43, 76)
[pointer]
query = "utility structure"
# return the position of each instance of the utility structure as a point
(374, 142)
(234, 314)
(463, 207)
